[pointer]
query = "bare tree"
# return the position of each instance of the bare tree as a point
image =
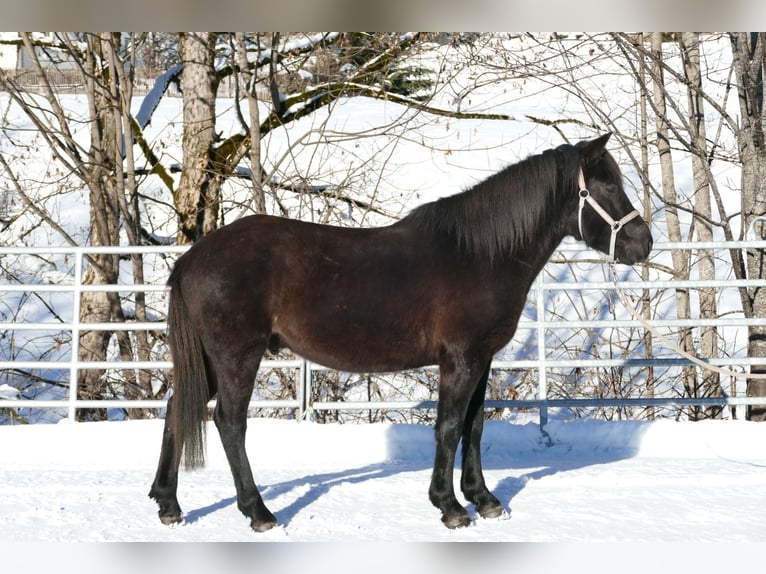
(749, 52)
(197, 196)
(690, 54)
(680, 259)
(247, 86)
(106, 169)
(685, 97)
(273, 68)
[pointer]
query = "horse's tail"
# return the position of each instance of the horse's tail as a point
(188, 410)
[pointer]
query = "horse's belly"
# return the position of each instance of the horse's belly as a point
(352, 346)
(353, 363)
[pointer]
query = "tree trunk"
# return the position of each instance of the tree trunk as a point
(749, 54)
(710, 385)
(198, 193)
(647, 215)
(105, 226)
(254, 127)
(680, 260)
(120, 92)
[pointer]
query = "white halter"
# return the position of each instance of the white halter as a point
(615, 225)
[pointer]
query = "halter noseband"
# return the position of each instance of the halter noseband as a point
(614, 225)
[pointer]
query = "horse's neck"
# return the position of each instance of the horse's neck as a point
(538, 250)
(547, 246)
(525, 264)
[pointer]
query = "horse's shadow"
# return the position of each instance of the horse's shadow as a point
(549, 460)
(318, 485)
(198, 513)
(321, 484)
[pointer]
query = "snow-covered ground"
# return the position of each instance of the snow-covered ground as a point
(585, 481)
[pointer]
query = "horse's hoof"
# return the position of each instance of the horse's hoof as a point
(262, 525)
(491, 510)
(169, 519)
(457, 521)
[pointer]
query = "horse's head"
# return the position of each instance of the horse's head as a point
(606, 220)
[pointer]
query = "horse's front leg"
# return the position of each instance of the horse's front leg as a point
(456, 388)
(472, 479)
(441, 492)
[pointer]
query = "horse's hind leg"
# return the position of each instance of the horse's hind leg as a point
(472, 479)
(165, 485)
(235, 386)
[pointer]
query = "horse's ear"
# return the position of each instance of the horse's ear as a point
(593, 150)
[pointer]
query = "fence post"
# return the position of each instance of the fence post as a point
(75, 352)
(304, 391)
(542, 380)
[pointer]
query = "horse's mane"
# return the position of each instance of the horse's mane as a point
(505, 211)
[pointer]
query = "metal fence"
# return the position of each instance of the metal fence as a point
(541, 359)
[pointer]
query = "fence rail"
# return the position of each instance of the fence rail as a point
(303, 404)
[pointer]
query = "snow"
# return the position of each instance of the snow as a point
(581, 480)
(152, 99)
(303, 43)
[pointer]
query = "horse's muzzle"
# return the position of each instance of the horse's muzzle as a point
(634, 247)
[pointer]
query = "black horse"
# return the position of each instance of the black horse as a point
(445, 285)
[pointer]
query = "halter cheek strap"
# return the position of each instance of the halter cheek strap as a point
(615, 226)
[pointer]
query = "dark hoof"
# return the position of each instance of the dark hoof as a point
(456, 521)
(491, 510)
(171, 519)
(263, 525)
